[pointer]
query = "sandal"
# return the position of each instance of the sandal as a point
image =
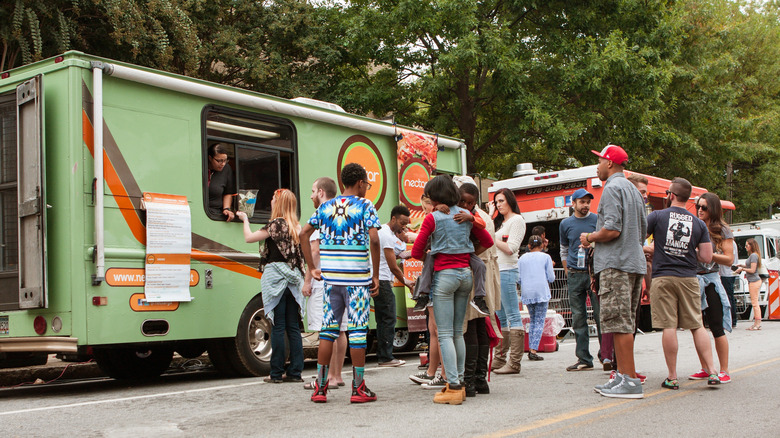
(670, 384)
(713, 379)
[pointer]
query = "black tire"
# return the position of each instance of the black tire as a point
(191, 350)
(405, 341)
(219, 358)
(250, 351)
(133, 363)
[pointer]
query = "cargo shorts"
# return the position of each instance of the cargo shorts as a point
(619, 293)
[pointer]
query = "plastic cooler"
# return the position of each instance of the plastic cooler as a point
(553, 323)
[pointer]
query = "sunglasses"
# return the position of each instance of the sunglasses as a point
(669, 192)
(701, 207)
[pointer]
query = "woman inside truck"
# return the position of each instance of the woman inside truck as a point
(750, 268)
(222, 187)
(281, 261)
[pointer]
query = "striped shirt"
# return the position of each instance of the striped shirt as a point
(343, 223)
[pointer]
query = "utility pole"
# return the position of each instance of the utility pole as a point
(729, 172)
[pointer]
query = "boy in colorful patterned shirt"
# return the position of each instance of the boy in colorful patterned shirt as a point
(348, 227)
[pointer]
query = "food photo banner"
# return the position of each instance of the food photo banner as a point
(416, 164)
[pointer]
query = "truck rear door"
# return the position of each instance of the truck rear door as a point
(31, 200)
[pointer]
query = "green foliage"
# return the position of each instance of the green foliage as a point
(155, 33)
(687, 87)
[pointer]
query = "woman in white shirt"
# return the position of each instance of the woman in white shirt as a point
(510, 230)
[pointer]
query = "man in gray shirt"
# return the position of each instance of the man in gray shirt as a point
(619, 261)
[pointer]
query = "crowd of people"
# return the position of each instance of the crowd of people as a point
(477, 275)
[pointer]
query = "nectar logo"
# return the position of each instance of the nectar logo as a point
(360, 149)
(413, 177)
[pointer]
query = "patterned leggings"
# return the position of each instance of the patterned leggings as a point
(537, 311)
(355, 301)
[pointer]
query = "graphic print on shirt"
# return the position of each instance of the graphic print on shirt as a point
(678, 237)
(343, 223)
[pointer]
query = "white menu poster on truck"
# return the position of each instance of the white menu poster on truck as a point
(168, 246)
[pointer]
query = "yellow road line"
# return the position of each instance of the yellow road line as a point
(547, 422)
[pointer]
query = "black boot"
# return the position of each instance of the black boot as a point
(470, 369)
(480, 373)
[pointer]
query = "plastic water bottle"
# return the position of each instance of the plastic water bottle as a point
(581, 258)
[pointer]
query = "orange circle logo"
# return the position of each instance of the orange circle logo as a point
(359, 149)
(414, 176)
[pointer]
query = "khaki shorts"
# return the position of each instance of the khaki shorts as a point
(619, 294)
(675, 302)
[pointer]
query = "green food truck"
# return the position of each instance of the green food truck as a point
(107, 242)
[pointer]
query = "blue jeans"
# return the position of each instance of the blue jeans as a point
(579, 290)
(510, 304)
(537, 312)
(451, 290)
(385, 314)
(728, 284)
(286, 320)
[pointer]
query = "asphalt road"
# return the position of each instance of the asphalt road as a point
(543, 400)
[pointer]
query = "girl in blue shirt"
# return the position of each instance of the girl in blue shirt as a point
(535, 269)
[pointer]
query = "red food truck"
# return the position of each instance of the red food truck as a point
(545, 199)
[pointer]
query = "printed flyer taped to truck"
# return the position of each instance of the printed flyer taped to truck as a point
(168, 246)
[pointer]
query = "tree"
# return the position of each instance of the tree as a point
(721, 107)
(520, 80)
(278, 47)
(155, 33)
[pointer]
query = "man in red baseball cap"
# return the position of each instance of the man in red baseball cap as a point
(613, 153)
(619, 261)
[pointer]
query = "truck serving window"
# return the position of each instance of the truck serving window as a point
(261, 154)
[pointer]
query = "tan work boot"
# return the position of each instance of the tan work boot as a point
(449, 396)
(517, 348)
(499, 358)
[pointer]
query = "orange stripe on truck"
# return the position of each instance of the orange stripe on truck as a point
(121, 196)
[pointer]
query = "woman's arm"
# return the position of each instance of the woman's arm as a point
(751, 267)
(484, 240)
(249, 236)
(426, 229)
(516, 232)
(226, 210)
(728, 253)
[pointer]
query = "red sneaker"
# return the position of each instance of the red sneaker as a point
(724, 377)
(320, 394)
(701, 375)
(361, 393)
(641, 377)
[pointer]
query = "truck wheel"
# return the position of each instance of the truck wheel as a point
(191, 350)
(219, 357)
(404, 341)
(250, 351)
(133, 363)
